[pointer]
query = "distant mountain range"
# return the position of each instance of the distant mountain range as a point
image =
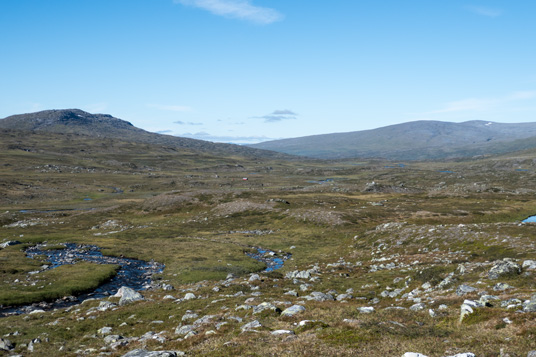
(419, 140)
(76, 121)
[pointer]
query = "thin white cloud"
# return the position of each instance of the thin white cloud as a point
(483, 104)
(180, 122)
(485, 11)
(236, 9)
(278, 115)
(172, 108)
(240, 140)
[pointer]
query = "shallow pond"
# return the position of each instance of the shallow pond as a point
(531, 219)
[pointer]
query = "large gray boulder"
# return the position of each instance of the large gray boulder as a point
(293, 310)
(505, 267)
(128, 295)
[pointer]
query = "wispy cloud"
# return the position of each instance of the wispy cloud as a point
(483, 104)
(172, 108)
(236, 9)
(485, 11)
(240, 140)
(180, 122)
(278, 115)
(165, 132)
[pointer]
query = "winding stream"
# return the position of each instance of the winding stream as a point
(133, 273)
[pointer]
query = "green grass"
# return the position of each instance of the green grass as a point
(62, 281)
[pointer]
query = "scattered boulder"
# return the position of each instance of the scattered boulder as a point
(189, 316)
(251, 326)
(128, 295)
(417, 307)
(293, 310)
(503, 268)
(413, 354)
(465, 310)
(465, 289)
(282, 332)
(112, 339)
(530, 306)
(183, 330)
(365, 309)
(319, 296)
(105, 331)
(265, 306)
(529, 265)
(502, 287)
(6, 345)
(106, 305)
(189, 296)
(254, 277)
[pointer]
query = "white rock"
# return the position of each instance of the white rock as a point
(189, 296)
(282, 332)
(365, 309)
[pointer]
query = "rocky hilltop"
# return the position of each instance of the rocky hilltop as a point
(79, 122)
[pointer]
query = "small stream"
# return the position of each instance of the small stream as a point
(272, 259)
(133, 273)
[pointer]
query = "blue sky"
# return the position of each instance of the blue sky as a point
(250, 70)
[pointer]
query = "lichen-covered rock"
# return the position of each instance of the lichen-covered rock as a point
(502, 287)
(465, 289)
(264, 307)
(251, 326)
(319, 296)
(417, 307)
(183, 330)
(504, 268)
(293, 310)
(529, 265)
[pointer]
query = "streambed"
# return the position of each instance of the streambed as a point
(272, 259)
(133, 273)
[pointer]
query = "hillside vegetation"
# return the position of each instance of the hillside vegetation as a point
(384, 257)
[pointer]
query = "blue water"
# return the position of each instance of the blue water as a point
(272, 262)
(133, 273)
(531, 219)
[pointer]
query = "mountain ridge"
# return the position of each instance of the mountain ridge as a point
(76, 121)
(416, 140)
